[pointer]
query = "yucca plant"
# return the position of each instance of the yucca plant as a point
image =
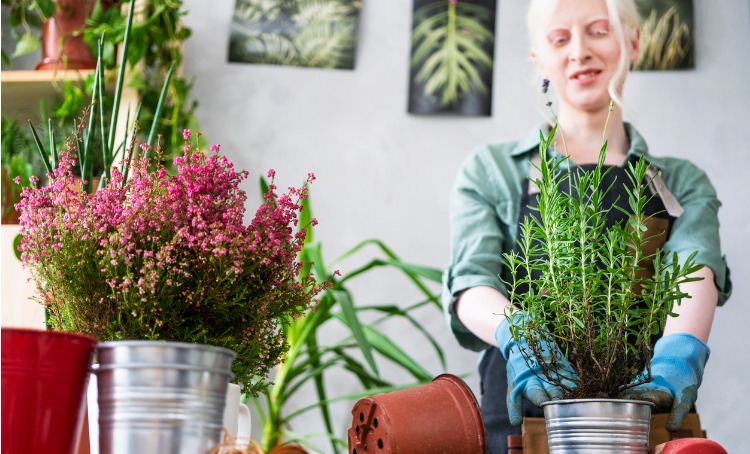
(311, 358)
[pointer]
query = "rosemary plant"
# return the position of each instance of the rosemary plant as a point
(582, 284)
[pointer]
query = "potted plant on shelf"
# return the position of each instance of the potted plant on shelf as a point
(589, 297)
(62, 24)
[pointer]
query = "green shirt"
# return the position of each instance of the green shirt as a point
(484, 210)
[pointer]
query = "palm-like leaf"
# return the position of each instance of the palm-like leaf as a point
(358, 352)
(450, 53)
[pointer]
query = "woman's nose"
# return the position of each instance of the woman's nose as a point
(579, 49)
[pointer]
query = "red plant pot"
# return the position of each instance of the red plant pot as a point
(439, 417)
(44, 377)
(62, 37)
(689, 446)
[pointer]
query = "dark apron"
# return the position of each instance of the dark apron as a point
(492, 373)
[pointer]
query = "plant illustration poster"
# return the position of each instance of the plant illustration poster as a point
(452, 49)
(667, 37)
(310, 33)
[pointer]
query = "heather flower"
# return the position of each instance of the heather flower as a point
(168, 256)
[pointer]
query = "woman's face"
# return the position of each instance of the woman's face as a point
(576, 50)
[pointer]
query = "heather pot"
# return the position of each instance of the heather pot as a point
(166, 394)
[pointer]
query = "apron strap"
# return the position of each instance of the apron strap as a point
(657, 186)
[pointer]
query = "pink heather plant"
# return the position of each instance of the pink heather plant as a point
(167, 256)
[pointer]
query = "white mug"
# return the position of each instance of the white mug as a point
(236, 414)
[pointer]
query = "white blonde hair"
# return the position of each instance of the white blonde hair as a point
(624, 22)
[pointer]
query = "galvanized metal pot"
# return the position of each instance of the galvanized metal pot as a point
(161, 397)
(597, 426)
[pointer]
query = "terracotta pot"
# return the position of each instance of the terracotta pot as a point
(62, 37)
(439, 417)
(43, 382)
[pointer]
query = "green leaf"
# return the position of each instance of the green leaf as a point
(16, 245)
(40, 148)
(26, 45)
(351, 320)
(46, 7)
(390, 350)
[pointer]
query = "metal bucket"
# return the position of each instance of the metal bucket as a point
(161, 397)
(597, 426)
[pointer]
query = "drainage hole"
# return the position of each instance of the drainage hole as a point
(361, 417)
(380, 443)
(375, 422)
(354, 451)
(357, 430)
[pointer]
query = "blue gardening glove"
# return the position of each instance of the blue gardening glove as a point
(523, 381)
(677, 371)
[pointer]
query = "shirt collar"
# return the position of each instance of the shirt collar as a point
(532, 140)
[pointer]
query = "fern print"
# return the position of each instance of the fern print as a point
(312, 33)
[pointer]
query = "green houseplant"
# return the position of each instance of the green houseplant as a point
(357, 351)
(25, 17)
(586, 305)
(156, 39)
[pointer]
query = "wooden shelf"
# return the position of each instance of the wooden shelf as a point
(22, 90)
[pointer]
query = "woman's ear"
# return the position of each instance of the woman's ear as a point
(535, 59)
(635, 44)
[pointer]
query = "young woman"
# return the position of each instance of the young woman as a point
(584, 48)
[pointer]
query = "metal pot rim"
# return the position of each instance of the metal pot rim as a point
(596, 400)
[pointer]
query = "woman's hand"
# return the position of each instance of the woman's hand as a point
(524, 379)
(677, 371)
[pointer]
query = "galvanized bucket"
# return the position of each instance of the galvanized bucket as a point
(161, 397)
(597, 426)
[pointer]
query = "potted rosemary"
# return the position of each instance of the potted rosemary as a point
(590, 294)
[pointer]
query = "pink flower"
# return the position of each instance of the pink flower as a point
(186, 134)
(172, 251)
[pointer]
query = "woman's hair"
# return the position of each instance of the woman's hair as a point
(623, 22)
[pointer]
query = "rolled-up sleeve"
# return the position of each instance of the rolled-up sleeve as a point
(697, 229)
(483, 201)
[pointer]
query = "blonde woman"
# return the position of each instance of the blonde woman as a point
(583, 49)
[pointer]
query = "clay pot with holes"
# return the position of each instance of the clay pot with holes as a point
(439, 417)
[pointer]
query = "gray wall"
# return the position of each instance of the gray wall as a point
(385, 174)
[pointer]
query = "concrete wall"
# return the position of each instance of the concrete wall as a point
(385, 174)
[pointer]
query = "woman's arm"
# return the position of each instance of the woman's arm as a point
(481, 309)
(696, 314)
